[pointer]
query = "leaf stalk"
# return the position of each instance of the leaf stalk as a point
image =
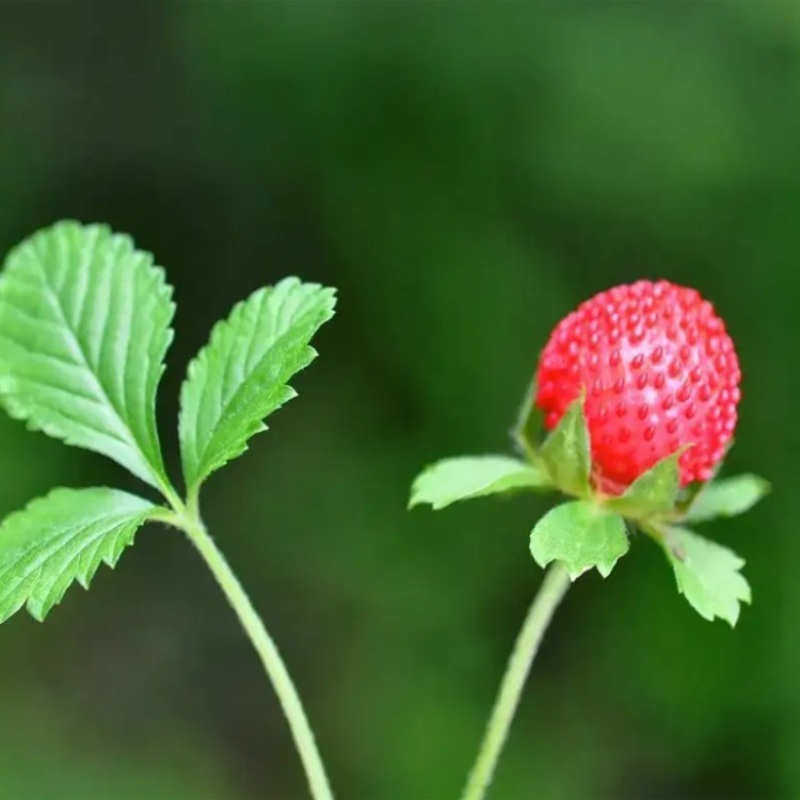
(553, 588)
(188, 520)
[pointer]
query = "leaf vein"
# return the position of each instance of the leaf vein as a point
(77, 344)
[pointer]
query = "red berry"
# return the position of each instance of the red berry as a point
(659, 370)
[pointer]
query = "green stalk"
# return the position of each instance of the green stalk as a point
(553, 588)
(189, 521)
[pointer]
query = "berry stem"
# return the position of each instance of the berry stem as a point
(553, 588)
(190, 522)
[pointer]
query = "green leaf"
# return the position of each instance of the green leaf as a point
(566, 452)
(727, 497)
(84, 326)
(707, 574)
(581, 535)
(455, 479)
(652, 493)
(242, 375)
(61, 538)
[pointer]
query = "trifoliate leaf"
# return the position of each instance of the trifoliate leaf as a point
(652, 493)
(566, 453)
(727, 497)
(708, 574)
(581, 535)
(61, 538)
(242, 375)
(84, 326)
(455, 479)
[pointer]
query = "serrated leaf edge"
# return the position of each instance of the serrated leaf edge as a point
(284, 393)
(605, 569)
(662, 538)
(40, 609)
(155, 474)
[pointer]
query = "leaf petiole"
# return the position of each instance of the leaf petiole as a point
(188, 520)
(553, 588)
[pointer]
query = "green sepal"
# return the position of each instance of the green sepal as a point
(529, 423)
(727, 497)
(653, 493)
(466, 477)
(566, 453)
(688, 494)
(581, 535)
(708, 574)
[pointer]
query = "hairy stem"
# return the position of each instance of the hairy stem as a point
(553, 588)
(265, 647)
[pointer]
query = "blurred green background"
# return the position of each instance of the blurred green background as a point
(465, 173)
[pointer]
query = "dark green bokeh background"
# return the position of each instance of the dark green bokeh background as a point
(465, 174)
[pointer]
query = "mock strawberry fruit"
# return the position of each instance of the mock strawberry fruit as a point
(659, 371)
